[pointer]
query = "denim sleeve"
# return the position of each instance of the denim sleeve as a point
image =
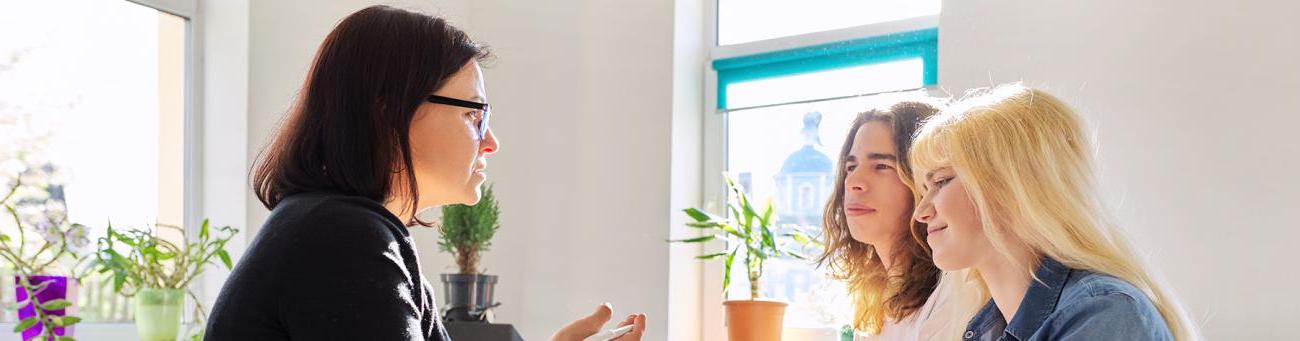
(1112, 316)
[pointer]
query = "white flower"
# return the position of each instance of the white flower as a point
(77, 237)
(47, 231)
(55, 211)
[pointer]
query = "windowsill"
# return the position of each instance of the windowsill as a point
(100, 331)
(810, 334)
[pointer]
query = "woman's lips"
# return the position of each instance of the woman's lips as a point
(857, 210)
(933, 229)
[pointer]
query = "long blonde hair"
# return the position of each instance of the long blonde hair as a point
(1025, 161)
(877, 293)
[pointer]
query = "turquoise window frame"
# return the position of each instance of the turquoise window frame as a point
(922, 44)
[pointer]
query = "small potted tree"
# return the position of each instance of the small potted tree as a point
(749, 234)
(156, 274)
(466, 232)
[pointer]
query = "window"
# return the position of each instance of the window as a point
(783, 109)
(94, 100)
(743, 21)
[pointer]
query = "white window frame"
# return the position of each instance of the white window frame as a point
(715, 131)
(193, 149)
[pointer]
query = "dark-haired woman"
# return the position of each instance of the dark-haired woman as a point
(392, 119)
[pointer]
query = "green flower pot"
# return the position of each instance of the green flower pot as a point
(158, 313)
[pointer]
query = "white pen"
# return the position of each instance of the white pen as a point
(610, 334)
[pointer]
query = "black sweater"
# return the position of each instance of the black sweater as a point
(327, 267)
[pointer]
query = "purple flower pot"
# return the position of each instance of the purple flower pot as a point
(60, 288)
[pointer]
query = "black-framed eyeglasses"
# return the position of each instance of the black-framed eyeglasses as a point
(483, 108)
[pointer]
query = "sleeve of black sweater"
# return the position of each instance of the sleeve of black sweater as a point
(339, 268)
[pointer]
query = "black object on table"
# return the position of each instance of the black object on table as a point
(479, 331)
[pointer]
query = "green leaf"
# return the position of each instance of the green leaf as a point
(769, 241)
(225, 258)
(746, 206)
(124, 239)
(65, 338)
(119, 278)
(70, 320)
(694, 240)
(704, 225)
(794, 254)
(732, 231)
(698, 215)
(804, 239)
(55, 305)
(712, 256)
(759, 256)
(25, 323)
(767, 214)
(735, 214)
(203, 231)
(41, 286)
(726, 271)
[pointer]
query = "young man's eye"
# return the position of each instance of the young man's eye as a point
(884, 166)
(850, 167)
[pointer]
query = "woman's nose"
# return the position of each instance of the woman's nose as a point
(490, 144)
(924, 211)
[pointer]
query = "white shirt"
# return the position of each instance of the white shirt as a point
(930, 322)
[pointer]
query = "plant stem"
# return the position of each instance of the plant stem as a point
(20, 265)
(749, 272)
(22, 234)
(46, 323)
(467, 260)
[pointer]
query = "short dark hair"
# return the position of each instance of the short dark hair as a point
(348, 131)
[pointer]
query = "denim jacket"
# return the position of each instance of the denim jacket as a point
(1073, 304)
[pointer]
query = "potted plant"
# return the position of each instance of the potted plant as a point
(749, 234)
(156, 274)
(465, 232)
(44, 298)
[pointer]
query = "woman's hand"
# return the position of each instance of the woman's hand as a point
(590, 325)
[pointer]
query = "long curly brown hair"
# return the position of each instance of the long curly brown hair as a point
(878, 293)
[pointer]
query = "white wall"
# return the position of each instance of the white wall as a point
(222, 28)
(1193, 106)
(582, 103)
(582, 98)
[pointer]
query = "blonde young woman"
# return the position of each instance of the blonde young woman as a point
(1009, 194)
(871, 243)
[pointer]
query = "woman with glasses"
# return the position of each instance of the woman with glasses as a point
(392, 119)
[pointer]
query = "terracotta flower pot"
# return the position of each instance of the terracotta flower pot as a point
(754, 320)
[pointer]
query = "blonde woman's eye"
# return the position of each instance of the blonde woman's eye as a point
(942, 182)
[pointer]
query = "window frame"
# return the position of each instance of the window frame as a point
(786, 56)
(192, 159)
